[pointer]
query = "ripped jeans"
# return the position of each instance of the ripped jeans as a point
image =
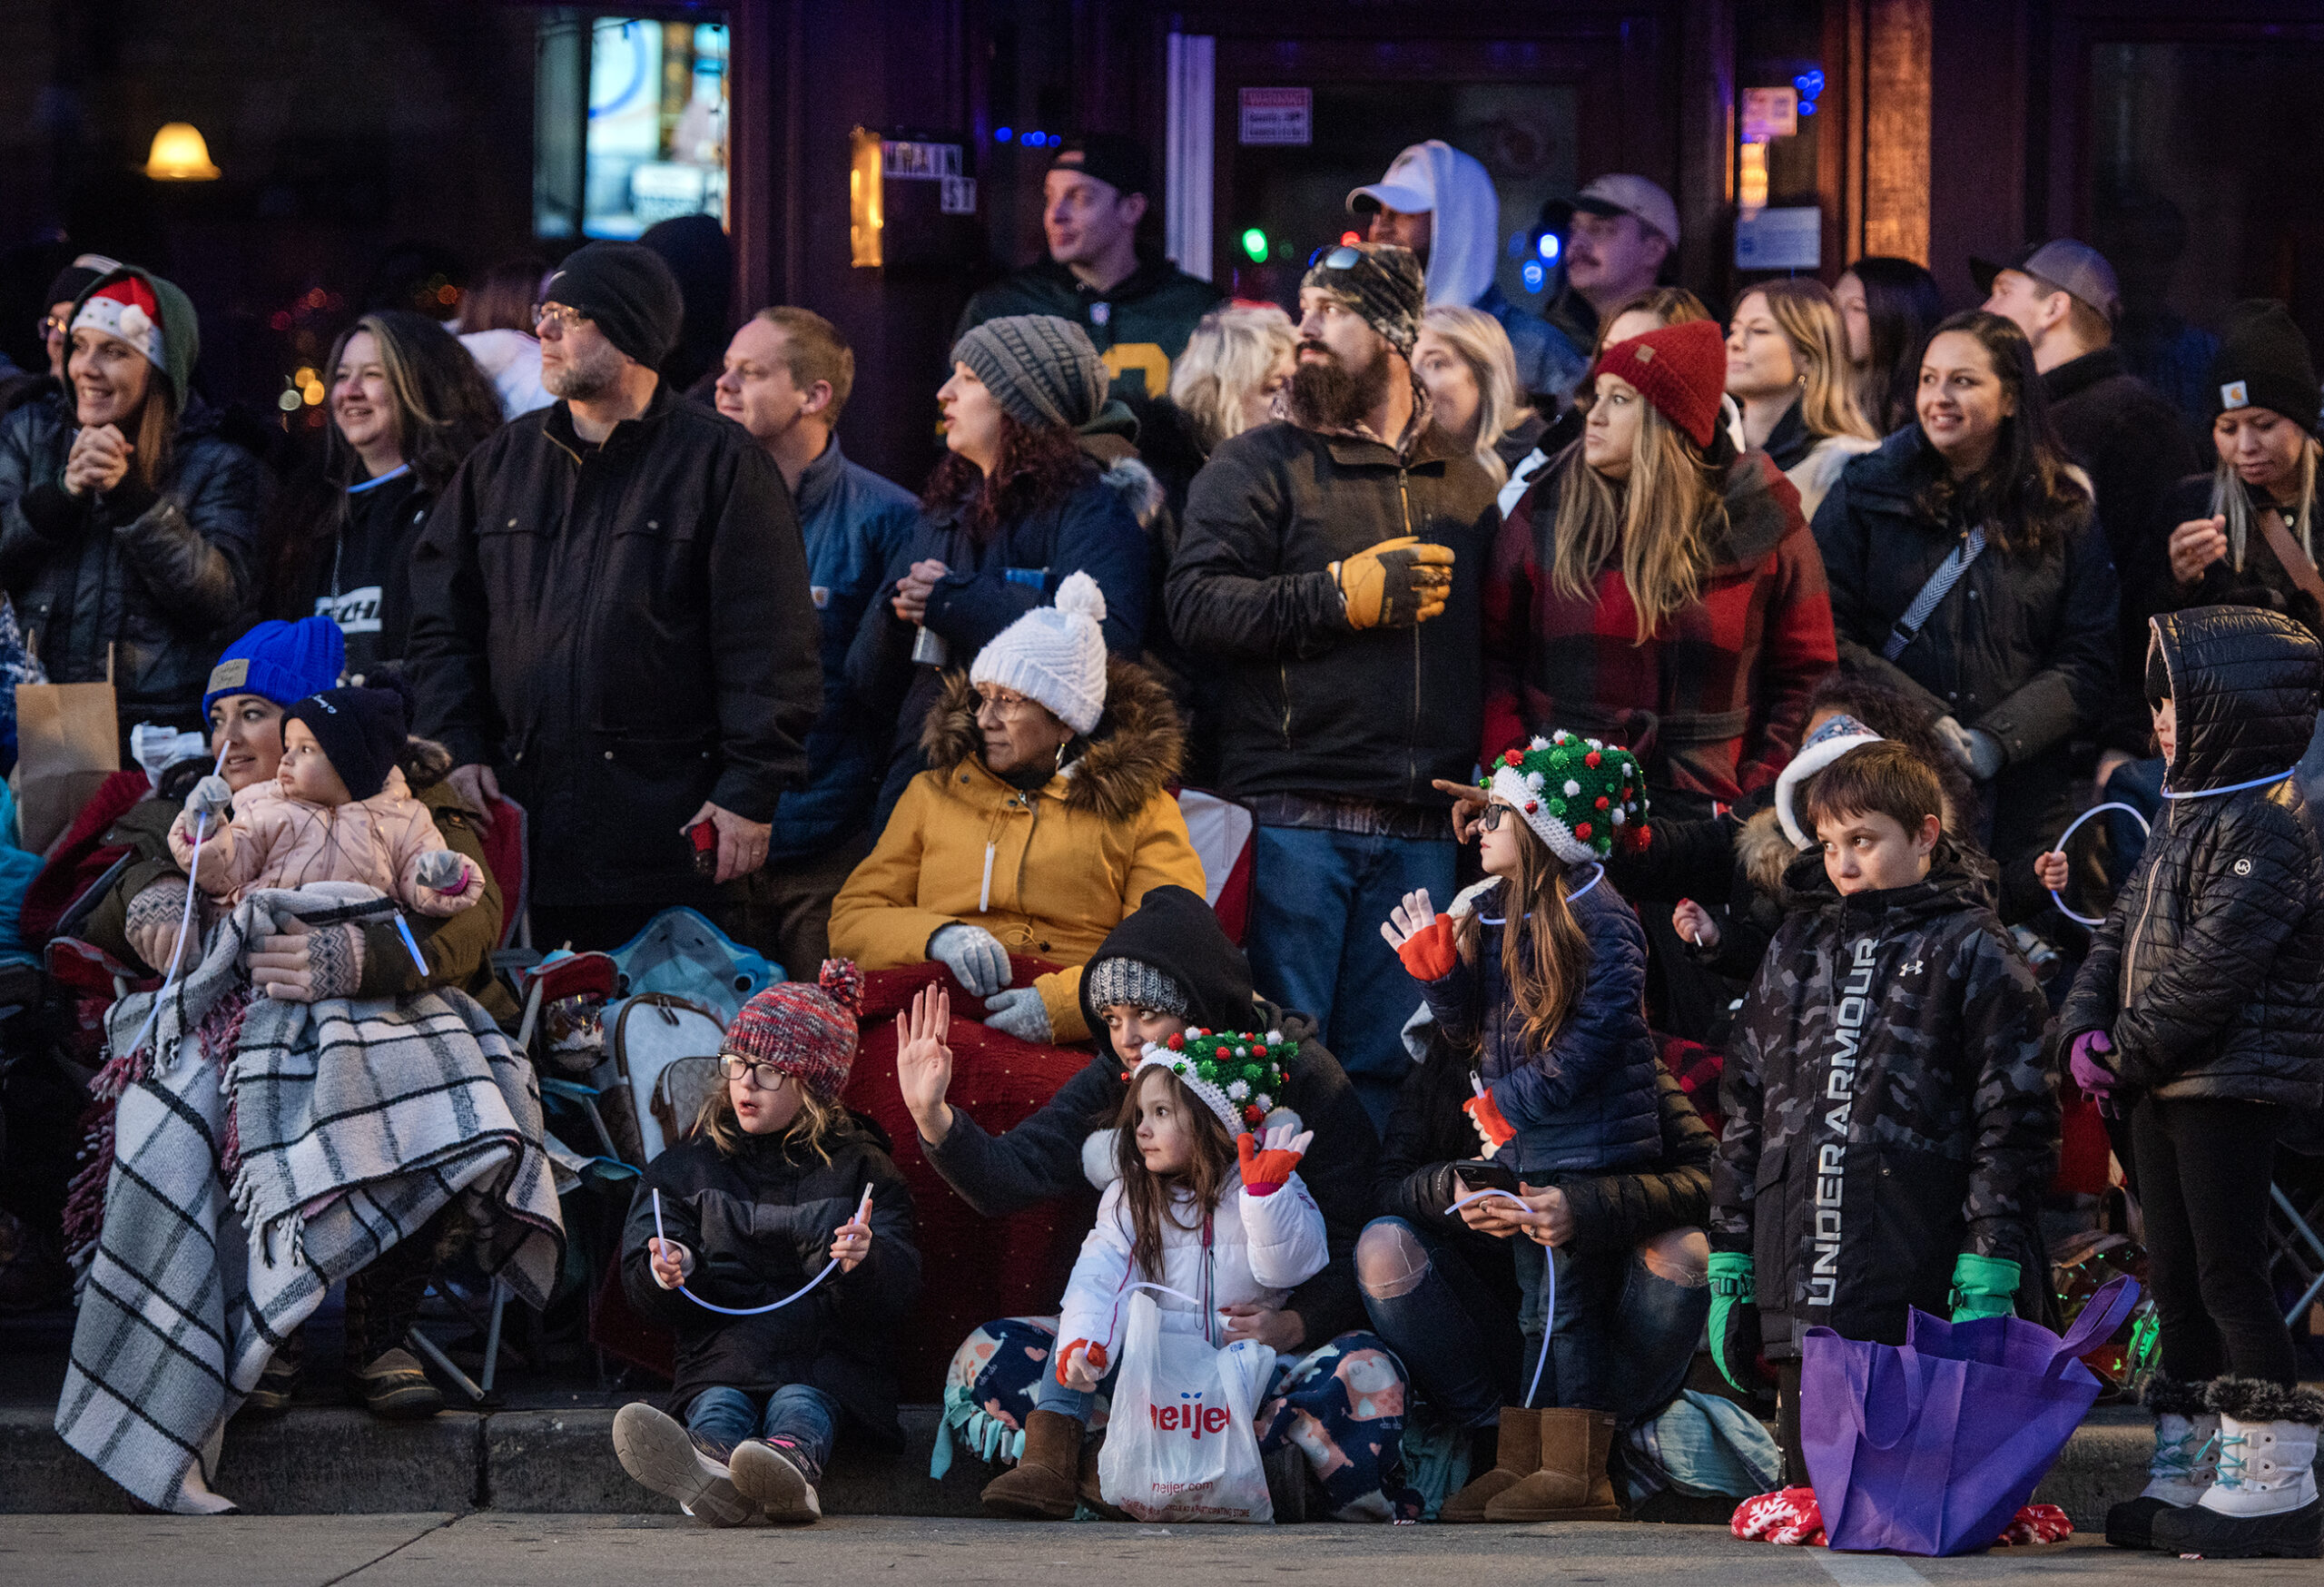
(1626, 1324)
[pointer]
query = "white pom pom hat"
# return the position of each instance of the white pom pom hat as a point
(1056, 655)
(1828, 743)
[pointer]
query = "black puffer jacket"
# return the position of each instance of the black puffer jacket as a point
(2209, 971)
(163, 579)
(759, 1222)
(1889, 1105)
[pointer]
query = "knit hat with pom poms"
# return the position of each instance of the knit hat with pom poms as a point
(1056, 655)
(1581, 797)
(807, 1032)
(1240, 1075)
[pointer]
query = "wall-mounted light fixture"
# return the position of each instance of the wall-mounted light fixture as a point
(178, 154)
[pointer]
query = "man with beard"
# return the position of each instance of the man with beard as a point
(1320, 577)
(611, 619)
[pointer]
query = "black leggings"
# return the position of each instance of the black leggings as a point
(2203, 1172)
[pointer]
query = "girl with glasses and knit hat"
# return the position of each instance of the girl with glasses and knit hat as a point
(776, 1184)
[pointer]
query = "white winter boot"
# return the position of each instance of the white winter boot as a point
(2184, 1465)
(2265, 1500)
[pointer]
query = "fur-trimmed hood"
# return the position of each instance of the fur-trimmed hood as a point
(1765, 851)
(1134, 753)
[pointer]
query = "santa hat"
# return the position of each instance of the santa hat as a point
(1828, 743)
(1679, 369)
(1581, 797)
(126, 307)
(1056, 655)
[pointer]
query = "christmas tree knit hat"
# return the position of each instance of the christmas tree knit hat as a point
(1240, 1075)
(1580, 797)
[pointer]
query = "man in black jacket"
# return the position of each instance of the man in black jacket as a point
(611, 613)
(1316, 579)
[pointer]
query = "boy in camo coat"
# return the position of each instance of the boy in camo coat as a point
(1892, 1115)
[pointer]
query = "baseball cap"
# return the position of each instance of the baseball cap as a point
(1115, 159)
(2076, 267)
(1409, 188)
(1622, 195)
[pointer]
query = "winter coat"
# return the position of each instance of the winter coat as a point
(1811, 462)
(2133, 445)
(1043, 1157)
(2260, 582)
(354, 566)
(276, 840)
(457, 950)
(159, 581)
(624, 632)
(1305, 703)
(759, 1224)
(1428, 1133)
(854, 524)
(1586, 1102)
(2022, 647)
(1715, 703)
(1914, 1002)
(1047, 871)
(2209, 972)
(1248, 1250)
(1092, 529)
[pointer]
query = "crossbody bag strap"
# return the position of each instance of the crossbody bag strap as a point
(1940, 584)
(2297, 564)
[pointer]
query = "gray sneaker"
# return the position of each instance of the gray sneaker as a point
(770, 1476)
(657, 1450)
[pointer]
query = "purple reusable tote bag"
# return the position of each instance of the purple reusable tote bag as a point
(1932, 1448)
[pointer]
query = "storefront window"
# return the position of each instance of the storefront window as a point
(630, 122)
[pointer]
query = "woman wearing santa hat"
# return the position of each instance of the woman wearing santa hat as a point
(127, 522)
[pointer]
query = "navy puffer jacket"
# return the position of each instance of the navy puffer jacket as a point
(1587, 1101)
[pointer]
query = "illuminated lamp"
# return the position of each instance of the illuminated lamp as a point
(178, 154)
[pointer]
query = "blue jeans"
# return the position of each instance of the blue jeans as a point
(799, 1418)
(1318, 899)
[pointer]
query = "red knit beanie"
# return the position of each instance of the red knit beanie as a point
(806, 1032)
(1680, 369)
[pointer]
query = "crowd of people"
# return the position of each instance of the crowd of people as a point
(1601, 683)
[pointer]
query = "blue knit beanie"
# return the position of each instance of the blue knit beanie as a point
(283, 661)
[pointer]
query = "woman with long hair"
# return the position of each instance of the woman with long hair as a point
(1786, 364)
(1016, 506)
(407, 405)
(1233, 370)
(1966, 568)
(1888, 307)
(1465, 361)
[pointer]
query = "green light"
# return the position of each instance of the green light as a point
(1255, 243)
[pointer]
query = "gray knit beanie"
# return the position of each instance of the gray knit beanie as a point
(1042, 370)
(1109, 981)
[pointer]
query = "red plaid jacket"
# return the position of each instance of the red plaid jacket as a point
(1715, 702)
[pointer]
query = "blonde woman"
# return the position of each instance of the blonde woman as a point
(1466, 363)
(1237, 364)
(1787, 367)
(1654, 586)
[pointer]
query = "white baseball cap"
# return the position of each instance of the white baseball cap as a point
(1409, 188)
(1620, 195)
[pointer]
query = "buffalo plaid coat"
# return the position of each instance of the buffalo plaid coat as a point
(1714, 703)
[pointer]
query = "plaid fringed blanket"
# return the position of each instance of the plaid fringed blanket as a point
(262, 1151)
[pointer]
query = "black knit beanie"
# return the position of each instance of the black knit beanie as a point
(1380, 281)
(361, 730)
(2263, 362)
(627, 290)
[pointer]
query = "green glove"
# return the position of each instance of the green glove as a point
(1982, 1286)
(1734, 1319)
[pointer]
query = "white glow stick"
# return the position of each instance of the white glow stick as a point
(2076, 825)
(862, 1211)
(1549, 1283)
(186, 916)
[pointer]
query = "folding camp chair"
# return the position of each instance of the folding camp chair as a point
(1223, 832)
(2296, 1219)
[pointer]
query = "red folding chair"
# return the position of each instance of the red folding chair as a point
(503, 853)
(1224, 832)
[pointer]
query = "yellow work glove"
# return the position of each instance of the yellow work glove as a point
(1396, 584)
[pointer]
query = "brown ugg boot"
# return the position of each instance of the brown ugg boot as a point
(1043, 1484)
(1519, 1457)
(1571, 1483)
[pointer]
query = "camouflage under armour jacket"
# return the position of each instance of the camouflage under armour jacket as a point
(1889, 1105)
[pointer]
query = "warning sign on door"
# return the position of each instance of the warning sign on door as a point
(1278, 116)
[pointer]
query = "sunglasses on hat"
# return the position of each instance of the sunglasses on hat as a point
(1343, 257)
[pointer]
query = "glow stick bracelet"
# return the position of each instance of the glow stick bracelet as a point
(862, 1211)
(1549, 1285)
(2127, 810)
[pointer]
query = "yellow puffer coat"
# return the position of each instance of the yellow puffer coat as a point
(1047, 872)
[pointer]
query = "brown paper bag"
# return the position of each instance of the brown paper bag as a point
(68, 741)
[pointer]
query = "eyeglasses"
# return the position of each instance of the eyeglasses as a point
(1489, 819)
(556, 319)
(1000, 700)
(765, 1075)
(1343, 257)
(54, 325)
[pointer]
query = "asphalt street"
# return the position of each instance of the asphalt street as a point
(490, 1549)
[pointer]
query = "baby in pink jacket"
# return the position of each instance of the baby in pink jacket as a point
(338, 811)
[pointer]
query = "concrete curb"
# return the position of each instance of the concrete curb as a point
(335, 1461)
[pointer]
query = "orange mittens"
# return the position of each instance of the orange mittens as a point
(1429, 953)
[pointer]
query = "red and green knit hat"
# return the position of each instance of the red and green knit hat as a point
(1239, 1074)
(807, 1031)
(1581, 797)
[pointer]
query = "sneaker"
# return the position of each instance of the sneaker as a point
(772, 1478)
(278, 1384)
(394, 1387)
(659, 1452)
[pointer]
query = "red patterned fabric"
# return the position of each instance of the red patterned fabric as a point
(81, 855)
(1696, 1070)
(1788, 1516)
(972, 1269)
